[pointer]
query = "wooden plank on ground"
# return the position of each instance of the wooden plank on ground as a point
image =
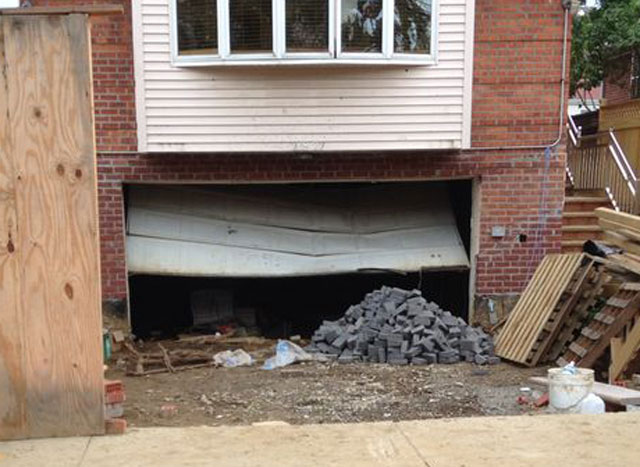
(49, 87)
(609, 393)
(531, 313)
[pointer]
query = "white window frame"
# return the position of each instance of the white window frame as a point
(279, 55)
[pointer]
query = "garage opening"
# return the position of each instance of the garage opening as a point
(276, 260)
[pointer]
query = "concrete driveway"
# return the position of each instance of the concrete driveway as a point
(568, 440)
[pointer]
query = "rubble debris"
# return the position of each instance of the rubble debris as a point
(398, 326)
(167, 360)
(114, 398)
(115, 426)
(232, 359)
(286, 353)
(168, 411)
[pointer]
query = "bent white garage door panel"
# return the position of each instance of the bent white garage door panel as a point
(290, 230)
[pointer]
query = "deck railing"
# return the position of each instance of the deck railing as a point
(597, 162)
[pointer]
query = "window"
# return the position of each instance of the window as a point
(210, 32)
(197, 31)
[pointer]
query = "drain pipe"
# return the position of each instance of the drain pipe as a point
(566, 4)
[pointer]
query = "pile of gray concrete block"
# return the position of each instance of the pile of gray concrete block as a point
(399, 327)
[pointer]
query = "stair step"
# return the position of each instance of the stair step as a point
(572, 243)
(587, 199)
(580, 218)
(581, 228)
(580, 214)
(582, 236)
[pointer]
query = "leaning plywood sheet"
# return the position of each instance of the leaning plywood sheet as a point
(291, 230)
(532, 312)
(50, 324)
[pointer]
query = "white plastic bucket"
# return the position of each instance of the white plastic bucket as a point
(567, 391)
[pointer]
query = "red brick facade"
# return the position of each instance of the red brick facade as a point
(515, 102)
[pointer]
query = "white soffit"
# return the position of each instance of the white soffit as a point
(294, 230)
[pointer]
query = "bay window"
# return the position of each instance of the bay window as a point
(210, 32)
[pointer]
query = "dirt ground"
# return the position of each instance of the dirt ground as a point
(314, 392)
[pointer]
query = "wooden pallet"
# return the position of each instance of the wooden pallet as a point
(607, 324)
(560, 314)
(548, 295)
(570, 327)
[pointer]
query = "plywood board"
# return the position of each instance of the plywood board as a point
(51, 366)
(531, 313)
(12, 379)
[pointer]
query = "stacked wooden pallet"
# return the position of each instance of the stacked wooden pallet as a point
(539, 325)
(596, 337)
(622, 230)
(576, 307)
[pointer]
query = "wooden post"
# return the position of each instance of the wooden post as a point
(51, 377)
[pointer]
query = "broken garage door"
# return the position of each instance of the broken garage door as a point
(291, 230)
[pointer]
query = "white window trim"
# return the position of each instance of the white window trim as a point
(279, 56)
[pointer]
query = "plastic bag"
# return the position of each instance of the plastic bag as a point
(229, 359)
(286, 353)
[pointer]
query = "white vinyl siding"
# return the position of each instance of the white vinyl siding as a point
(302, 108)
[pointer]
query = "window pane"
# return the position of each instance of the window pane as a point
(197, 31)
(412, 20)
(362, 26)
(251, 26)
(307, 25)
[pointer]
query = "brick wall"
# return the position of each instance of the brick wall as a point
(515, 102)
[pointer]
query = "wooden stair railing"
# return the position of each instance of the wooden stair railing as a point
(601, 166)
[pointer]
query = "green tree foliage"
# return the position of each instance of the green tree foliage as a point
(599, 37)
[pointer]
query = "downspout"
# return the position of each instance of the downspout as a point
(567, 6)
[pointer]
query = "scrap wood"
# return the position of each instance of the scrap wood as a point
(626, 261)
(607, 392)
(624, 350)
(169, 360)
(156, 371)
(621, 219)
(206, 339)
(493, 329)
(621, 241)
(166, 359)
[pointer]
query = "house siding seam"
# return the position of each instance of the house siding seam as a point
(517, 53)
